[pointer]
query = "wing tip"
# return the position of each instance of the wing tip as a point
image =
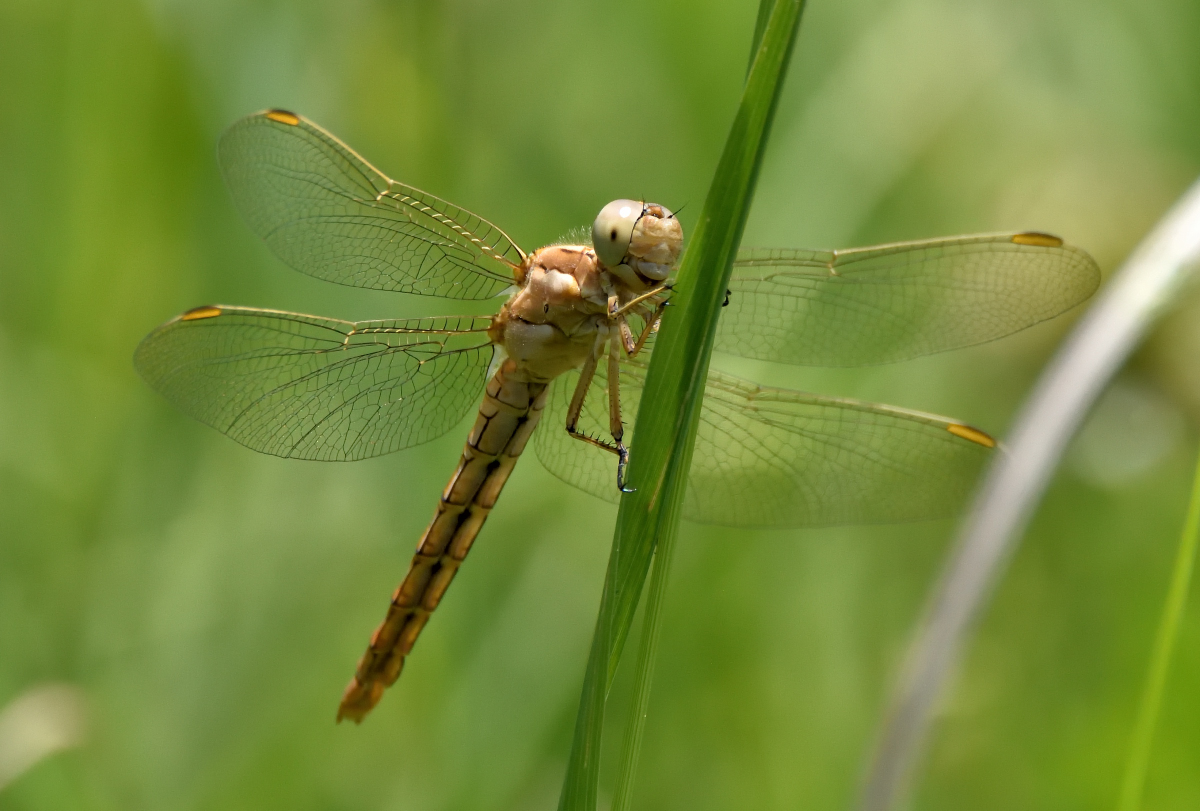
(281, 116)
(1037, 238)
(970, 434)
(200, 313)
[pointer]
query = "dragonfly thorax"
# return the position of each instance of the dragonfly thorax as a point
(562, 310)
(559, 277)
(553, 321)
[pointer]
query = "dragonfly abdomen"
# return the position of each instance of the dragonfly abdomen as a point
(511, 408)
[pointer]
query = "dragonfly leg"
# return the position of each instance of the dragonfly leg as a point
(627, 339)
(616, 311)
(586, 374)
(615, 425)
(622, 463)
(651, 326)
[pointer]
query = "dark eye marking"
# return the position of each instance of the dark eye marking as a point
(613, 235)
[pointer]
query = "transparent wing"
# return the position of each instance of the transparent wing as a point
(328, 213)
(895, 302)
(770, 457)
(315, 388)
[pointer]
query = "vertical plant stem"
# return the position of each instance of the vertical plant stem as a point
(664, 553)
(1160, 660)
(665, 429)
(651, 626)
(760, 26)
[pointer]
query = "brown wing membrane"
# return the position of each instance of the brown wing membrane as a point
(894, 302)
(769, 457)
(306, 387)
(328, 213)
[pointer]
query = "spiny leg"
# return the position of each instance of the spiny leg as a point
(586, 375)
(626, 333)
(614, 310)
(615, 426)
(632, 347)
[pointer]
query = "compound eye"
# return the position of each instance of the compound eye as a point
(613, 230)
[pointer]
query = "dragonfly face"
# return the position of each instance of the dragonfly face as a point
(576, 335)
(640, 242)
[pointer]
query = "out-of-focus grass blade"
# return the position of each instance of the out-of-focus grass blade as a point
(666, 427)
(1165, 262)
(1160, 660)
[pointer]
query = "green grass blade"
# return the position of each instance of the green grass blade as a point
(760, 25)
(644, 675)
(675, 382)
(666, 430)
(1160, 661)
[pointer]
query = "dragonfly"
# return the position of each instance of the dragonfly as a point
(570, 346)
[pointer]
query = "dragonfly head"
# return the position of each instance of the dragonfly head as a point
(644, 237)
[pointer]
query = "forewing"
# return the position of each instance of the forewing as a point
(328, 213)
(306, 387)
(769, 457)
(895, 302)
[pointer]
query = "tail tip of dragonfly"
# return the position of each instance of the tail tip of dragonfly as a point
(359, 699)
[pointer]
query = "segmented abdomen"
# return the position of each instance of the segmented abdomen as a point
(510, 411)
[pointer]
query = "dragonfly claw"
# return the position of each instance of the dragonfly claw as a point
(622, 463)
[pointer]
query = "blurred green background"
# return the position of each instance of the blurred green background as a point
(208, 604)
